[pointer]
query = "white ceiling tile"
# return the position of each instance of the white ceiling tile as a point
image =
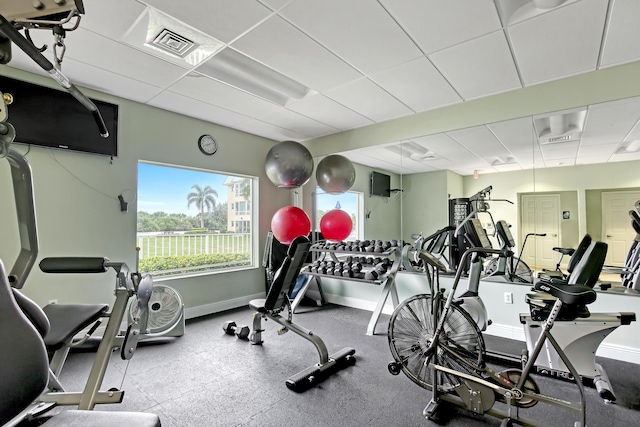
(442, 144)
(626, 157)
(368, 159)
(514, 134)
(560, 153)
(298, 123)
(524, 156)
(589, 160)
(436, 24)
(439, 164)
(325, 110)
(85, 75)
(507, 167)
(623, 28)
(480, 141)
(602, 150)
(369, 100)
(361, 33)
(276, 4)
(417, 84)
(101, 52)
(110, 18)
(279, 45)
(611, 121)
(222, 19)
(213, 92)
(198, 109)
(267, 130)
(554, 163)
(540, 55)
(480, 67)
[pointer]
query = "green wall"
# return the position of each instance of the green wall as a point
(79, 214)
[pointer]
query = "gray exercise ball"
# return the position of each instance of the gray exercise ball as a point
(289, 164)
(335, 174)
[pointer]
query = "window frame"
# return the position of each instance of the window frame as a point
(359, 211)
(252, 217)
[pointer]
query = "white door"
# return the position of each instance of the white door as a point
(616, 224)
(540, 214)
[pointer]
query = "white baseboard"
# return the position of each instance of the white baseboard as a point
(216, 307)
(357, 303)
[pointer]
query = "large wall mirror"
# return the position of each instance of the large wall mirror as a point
(562, 173)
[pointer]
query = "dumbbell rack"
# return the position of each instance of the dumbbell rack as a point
(386, 280)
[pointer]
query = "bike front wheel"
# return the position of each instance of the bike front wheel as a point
(411, 331)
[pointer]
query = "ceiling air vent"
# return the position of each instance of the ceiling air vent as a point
(172, 43)
(557, 139)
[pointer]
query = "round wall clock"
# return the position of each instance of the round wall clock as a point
(207, 145)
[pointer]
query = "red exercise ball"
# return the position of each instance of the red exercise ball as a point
(336, 225)
(288, 223)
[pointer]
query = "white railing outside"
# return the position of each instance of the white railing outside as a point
(162, 245)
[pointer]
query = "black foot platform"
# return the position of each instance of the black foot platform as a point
(310, 377)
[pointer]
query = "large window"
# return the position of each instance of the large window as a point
(351, 202)
(192, 221)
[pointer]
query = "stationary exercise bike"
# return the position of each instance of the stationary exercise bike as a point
(438, 345)
(579, 335)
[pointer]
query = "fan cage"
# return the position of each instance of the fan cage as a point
(165, 309)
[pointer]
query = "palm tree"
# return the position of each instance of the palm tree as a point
(203, 198)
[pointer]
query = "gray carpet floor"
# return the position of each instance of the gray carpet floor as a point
(208, 378)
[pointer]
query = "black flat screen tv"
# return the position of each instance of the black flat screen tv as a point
(380, 184)
(54, 118)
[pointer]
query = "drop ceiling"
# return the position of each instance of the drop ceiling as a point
(304, 69)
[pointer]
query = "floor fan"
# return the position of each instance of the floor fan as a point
(166, 313)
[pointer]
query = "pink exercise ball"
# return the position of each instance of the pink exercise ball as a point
(288, 223)
(336, 225)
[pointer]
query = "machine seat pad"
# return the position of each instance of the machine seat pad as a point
(565, 251)
(568, 294)
(258, 305)
(76, 418)
(68, 319)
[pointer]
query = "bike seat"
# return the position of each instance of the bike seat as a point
(568, 294)
(564, 251)
(67, 320)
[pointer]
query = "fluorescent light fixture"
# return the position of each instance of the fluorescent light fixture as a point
(412, 150)
(515, 11)
(629, 147)
(167, 38)
(547, 4)
(633, 146)
(238, 70)
(500, 160)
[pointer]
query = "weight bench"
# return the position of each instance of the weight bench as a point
(277, 300)
(24, 371)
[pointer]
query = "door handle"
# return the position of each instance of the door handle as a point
(609, 236)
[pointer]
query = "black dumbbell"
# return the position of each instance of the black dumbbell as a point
(230, 328)
(376, 273)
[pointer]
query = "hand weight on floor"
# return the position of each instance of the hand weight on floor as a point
(230, 328)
